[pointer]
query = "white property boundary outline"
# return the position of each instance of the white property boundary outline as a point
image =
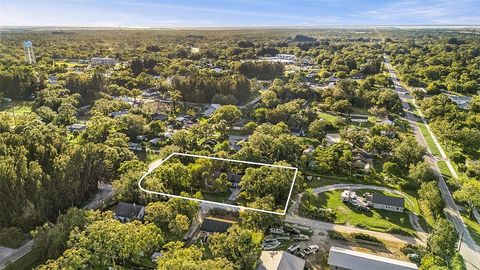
(151, 169)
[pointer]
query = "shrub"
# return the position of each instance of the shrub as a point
(397, 230)
(223, 212)
(364, 236)
(11, 237)
(319, 213)
(337, 235)
(457, 262)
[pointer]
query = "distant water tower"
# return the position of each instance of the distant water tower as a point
(29, 55)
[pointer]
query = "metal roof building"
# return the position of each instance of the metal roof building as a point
(346, 259)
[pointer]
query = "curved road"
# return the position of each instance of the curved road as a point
(413, 218)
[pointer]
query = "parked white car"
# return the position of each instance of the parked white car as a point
(276, 231)
(270, 241)
(270, 244)
(299, 253)
(301, 237)
(310, 249)
(293, 248)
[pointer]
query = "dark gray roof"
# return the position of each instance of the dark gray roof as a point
(231, 177)
(159, 116)
(128, 210)
(213, 225)
(388, 200)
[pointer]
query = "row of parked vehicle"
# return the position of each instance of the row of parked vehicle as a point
(280, 234)
(297, 251)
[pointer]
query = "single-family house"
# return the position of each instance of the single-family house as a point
(240, 124)
(231, 177)
(332, 138)
(309, 150)
(118, 113)
(385, 202)
(236, 141)
(215, 225)
(462, 102)
(134, 146)
(52, 79)
(155, 141)
(346, 259)
(156, 255)
(103, 61)
(210, 109)
(126, 212)
(76, 128)
(280, 260)
(159, 117)
(358, 118)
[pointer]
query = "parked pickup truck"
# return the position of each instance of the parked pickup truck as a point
(310, 249)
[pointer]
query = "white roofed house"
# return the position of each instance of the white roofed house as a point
(463, 102)
(290, 57)
(210, 109)
(346, 259)
(236, 142)
(76, 128)
(332, 138)
(358, 118)
(103, 61)
(280, 260)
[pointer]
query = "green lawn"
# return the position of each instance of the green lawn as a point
(320, 180)
(473, 228)
(358, 110)
(215, 196)
(428, 138)
(376, 220)
(17, 107)
(328, 117)
(447, 175)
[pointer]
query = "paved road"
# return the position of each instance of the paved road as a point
(311, 223)
(105, 193)
(469, 250)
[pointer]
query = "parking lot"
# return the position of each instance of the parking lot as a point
(320, 238)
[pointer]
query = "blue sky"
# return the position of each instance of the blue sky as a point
(227, 13)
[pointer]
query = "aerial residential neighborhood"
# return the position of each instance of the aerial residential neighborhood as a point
(240, 135)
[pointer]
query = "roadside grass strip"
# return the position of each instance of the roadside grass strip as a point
(428, 138)
(473, 228)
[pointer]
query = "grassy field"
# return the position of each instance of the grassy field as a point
(328, 117)
(473, 228)
(451, 182)
(428, 138)
(17, 107)
(376, 220)
(215, 197)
